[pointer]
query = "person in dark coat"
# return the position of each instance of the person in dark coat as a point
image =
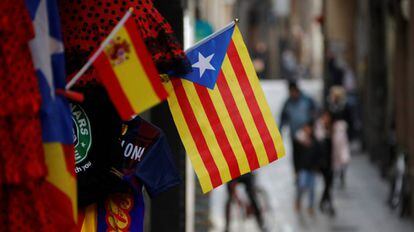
(323, 129)
(297, 111)
(308, 162)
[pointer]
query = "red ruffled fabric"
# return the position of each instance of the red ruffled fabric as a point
(85, 24)
(22, 164)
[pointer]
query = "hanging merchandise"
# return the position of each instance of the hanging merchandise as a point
(107, 176)
(227, 131)
(20, 100)
(87, 23)
(21, 153)
(126, 70)
(96, 131)
(47, 52)
(111, 173)
(27, 194)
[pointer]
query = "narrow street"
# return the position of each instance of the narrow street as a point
(361, 206)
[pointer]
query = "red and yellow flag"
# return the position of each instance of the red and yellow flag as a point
(60, 188)
(227, 131)
(128, 72)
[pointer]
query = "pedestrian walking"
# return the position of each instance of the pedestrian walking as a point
(341, 121)
(323, 133)
(297, 111)
(248, 181)
(307, 164)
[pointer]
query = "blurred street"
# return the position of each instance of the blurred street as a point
(361, 205)
(342, 74)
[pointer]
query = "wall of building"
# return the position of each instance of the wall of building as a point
(410, 106)
(340, 23)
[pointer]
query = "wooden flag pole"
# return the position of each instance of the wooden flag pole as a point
(100, 49)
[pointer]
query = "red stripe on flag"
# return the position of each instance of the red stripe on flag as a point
(251, 101)
(114, 89)
(69, 152)
(59, 206)
(237, 121)
(218, 130)
(197, 134)
(145, 58)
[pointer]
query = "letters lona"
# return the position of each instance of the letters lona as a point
(133, 151)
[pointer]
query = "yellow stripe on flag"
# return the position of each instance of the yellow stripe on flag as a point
(58, 173)
(207, 131)
(133, 78)
(258, 92)
(244, 111)
(187, 139)
(230, 131)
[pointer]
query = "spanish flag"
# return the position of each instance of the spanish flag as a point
(227, 130)
(127, 70)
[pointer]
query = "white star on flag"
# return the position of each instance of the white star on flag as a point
(203, 63)
(43, 45)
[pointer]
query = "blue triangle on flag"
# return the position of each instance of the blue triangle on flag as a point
(207, 56)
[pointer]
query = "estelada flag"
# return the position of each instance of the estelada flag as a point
(59, 190)
(227, 130)
(128, 72)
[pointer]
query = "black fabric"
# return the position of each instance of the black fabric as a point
(96, 182)
(326, 154)
(326, 198)
(295, 154)
(343, 112)
(335, 73)
(308, 157)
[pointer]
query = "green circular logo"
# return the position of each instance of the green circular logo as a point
(82, 136)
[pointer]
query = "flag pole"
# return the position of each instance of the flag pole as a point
(100, 49)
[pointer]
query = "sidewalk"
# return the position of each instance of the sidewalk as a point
(360, 206)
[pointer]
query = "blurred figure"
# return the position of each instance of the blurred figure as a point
(202, 27)
(349, 81)
(297, 110)
(340, 150)
(259, 59)
(335, 70)
(323, 133)
(341, 117)
(248, 181)
(308, 161)
(289, 65)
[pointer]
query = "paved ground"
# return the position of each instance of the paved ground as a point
(360, 206)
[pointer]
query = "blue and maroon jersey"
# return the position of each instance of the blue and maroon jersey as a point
(146, 162)
(121, 212)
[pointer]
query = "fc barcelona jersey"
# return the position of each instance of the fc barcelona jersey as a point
(142, 160)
